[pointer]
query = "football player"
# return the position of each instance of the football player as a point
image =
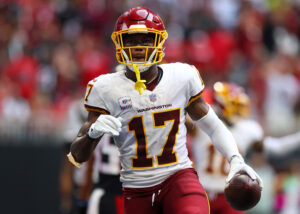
(144, 108)
(232, 105)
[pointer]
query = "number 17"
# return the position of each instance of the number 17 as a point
(167, 155)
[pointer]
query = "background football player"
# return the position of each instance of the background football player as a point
(232, 104)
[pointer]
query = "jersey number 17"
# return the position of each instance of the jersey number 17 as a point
(167, 155)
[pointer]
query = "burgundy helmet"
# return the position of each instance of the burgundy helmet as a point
(139, 16)
(139, 20)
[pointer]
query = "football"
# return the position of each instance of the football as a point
(242, 193)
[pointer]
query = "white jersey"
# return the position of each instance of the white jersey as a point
(152, 142)
(211, 165)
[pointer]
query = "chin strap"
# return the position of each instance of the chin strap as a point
(139, 84)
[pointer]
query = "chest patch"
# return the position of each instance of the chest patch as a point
(125, 102)
(152, 97)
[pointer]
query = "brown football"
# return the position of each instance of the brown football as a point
(242, 193)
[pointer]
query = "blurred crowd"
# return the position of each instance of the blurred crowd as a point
(49, 50)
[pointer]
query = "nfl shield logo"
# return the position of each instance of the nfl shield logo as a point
(152, 97)
(125, 103)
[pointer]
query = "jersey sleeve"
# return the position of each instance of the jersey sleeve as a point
(196, 84)
(93, 100)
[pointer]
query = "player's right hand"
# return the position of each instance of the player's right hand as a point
(237, 165)
(105, 124)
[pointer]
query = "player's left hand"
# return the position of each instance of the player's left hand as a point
(237, 164)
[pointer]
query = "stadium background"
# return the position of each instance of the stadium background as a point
(49, 50)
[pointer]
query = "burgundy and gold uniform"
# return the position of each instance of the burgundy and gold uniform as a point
(152, 142)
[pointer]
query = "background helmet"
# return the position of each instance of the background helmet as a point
(231, 101)
(139, 20)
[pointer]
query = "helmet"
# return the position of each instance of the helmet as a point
(139, 20)
(231, 101)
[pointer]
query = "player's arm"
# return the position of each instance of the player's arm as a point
(207, 120)
(278, 146)
(282, 145)
(83, 145)
(89, 135)
(190, 126)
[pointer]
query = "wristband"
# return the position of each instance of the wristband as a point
(72, 160)
(237, 156)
